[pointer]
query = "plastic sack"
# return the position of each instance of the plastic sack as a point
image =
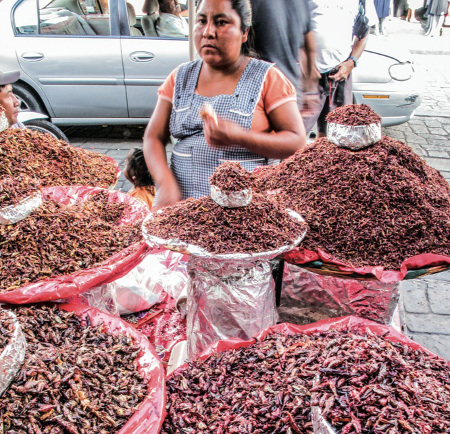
(353, 137)
(143, 286)
(300, 255)
(334, 296)
(116, 266)
(227, 299)
(13, 355)
(150, 414)
(14, 213)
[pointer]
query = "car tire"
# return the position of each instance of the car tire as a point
(29, 101)
(44, 126)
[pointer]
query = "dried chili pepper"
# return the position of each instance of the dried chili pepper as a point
(258, 227)
(75, 378)
(59, 239)
(376, 206)
(55, 162)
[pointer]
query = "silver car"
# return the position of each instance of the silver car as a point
(87, 62)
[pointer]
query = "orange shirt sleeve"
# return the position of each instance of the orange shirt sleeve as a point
(277, 90)
(165, 91)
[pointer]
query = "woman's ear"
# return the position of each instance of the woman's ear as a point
(245, 35)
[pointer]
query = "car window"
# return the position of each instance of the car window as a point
(150, 19)
(63, 17)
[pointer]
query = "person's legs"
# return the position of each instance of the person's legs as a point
(311, 115)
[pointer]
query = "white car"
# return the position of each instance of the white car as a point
(95, 62)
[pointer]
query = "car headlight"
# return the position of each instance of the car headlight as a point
(401, 71)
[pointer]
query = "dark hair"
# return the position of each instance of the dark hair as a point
(136, 170)
(244, 10)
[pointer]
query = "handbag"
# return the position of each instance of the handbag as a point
(361, 25)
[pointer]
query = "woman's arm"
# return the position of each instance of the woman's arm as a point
(156, 136)
(288, 137)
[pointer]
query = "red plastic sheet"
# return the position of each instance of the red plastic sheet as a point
(150, 415)
(303, 256)
(116, 266)
(164, 327)
(352, 323)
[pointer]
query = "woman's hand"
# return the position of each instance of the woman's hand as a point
(167, 194)
(220, 132)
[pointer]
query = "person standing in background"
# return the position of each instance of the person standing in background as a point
(338, 53)
(282, 29)
(382, 8)
(436, 15)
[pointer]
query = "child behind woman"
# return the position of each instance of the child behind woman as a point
(137, 173)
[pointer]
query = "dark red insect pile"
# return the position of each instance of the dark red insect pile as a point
(376, 206)
(361, 382)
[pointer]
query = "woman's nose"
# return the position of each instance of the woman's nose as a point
(209, 30)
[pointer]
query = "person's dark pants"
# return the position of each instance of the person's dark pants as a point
(332, 95)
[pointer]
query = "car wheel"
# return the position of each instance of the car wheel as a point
(28, 99)
(44, 126)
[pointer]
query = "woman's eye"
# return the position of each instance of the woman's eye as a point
(221, 22)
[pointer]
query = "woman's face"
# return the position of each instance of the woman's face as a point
(217, 33)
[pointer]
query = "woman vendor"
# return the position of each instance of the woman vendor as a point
(257, 121)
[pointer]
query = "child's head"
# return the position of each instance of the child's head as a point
(136, 170)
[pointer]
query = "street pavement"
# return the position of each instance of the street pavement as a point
(425, 302)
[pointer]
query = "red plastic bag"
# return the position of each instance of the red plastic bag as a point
(302, 256)
(150, 415)
(163, 325)
(116, 266)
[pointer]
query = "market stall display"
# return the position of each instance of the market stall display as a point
(84, 371)
(380, 210)
(230, 288)
(19, 196)
(54, 162)
(79, 238)
(357, 375)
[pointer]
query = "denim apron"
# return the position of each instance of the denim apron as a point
(193, 160)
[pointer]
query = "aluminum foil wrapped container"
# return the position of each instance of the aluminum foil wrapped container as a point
(14, 213)
(228, 295)
(353, 137)
(12, 356)
(227, 299)
(231, 199)
(332, 296)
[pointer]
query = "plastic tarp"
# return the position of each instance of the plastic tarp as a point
(144, 285)
(150, 414)
(116, 266)
(334, 296)
(303, 256)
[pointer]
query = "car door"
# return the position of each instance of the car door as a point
(72, 54)
(147, 62)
